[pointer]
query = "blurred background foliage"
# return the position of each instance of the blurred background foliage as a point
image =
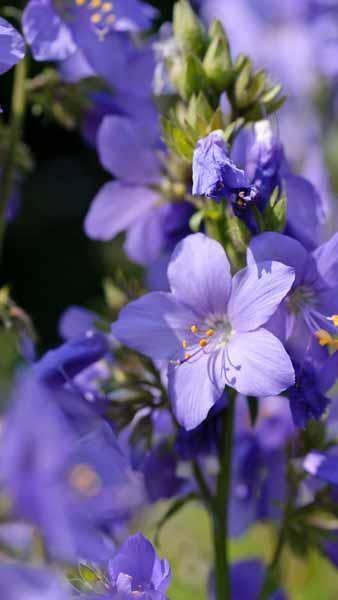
(48, 262)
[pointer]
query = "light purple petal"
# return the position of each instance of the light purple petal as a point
(124, 153)
(191, 391)
(12, 46)
(76, 321)
(146, 238)
(323, 466)
(46, 33)
(154, 325)
(302, 211)
(258, 365)
(135, 558)
(199, 274)
(282, 248)
(326, 257)
(257, 292)
(115, 208)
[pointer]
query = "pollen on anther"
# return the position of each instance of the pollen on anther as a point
(334, 320)
(80, 2)
(184, 344)
(187, 356)
(324, 338)
(194, 329)
(210, 332)
(203, 343)
(95, 4)
(107, 6)
(96, 18)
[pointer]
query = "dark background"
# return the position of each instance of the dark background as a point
(48, 262)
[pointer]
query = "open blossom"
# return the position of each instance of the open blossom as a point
(64, 471)
(210, 328)
(308, 315)
(56, 29)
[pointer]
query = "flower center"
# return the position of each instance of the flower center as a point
(100, 13)
(214, 334)
(301, 297)
(325, 338)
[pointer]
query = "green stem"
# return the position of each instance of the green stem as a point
(220, 516)
(16, 121)
(202, 484)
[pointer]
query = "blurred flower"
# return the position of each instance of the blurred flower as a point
(18, 582)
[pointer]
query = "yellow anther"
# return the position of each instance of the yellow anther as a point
(324, 338)
(203, 343)
(210, 332)
(187, 355)
(107, 6)
(194, 329)
(334, 320)
(184, 344)
(80, 2)
(95, 4)
(96, 18)
(110, 20)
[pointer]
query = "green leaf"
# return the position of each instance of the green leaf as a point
(239, 233)
(177, 140)
(189, 32)
(174, 508)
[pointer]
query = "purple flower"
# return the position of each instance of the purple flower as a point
(55, 30)
(12, 46)
(322, 465)
(58, 366)
(135, 571)
(214, 173)
(210, 328)
(18, 582)
(159, 470)
(306, 317)
(307, 400)
(129, 204)
(64, 471)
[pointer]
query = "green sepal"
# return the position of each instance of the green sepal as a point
(188, 30)
(217, 64)
(274, 215)
(196, 220)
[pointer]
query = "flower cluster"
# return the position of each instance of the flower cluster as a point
(208, 372)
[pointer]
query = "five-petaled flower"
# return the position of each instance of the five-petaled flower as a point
(209, 328)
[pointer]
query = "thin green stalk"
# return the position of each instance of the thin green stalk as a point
(16, 122)
(221, 505)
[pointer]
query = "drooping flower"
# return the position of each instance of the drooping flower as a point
(209, 328)
(307, 397)
(214, 173)
(306, 319)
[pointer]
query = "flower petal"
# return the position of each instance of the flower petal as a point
(282, 248)
(46, 33)
(199, 274)
(326, 257)
(115, 208)
(123, 151)
(146, 238)
(302, 211)
(155, 325)
(191, 391)
(258, 365)
(323, 466)
(257, 292)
